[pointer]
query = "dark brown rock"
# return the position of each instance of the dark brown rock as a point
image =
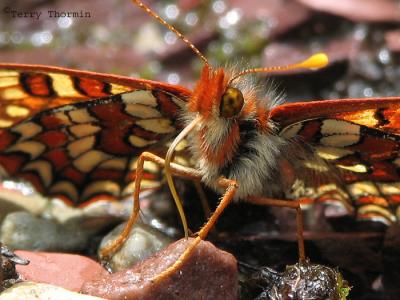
(208, 273)
(66, 270)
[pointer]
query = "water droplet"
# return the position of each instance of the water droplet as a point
(384, 56)
(231, 18)
(170, 38)
(360, 32)
(227, 48)
(16, 37)
(219, 7)
(191, 19)
(64, 23)
(368, 92)
(172, 11)
(173, 78)
(40, 38)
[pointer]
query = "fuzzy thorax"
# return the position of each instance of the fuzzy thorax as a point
(244, 147)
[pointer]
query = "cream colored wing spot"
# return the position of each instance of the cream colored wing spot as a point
(139, 142)
(81, 116)
(33, 148)
(17, 111)
(332, 153)
(27, 130)
(114, 163)
(358, 168)
(340, 140)
(8, 73)
(5, 123)
(148, 166)
(118, 89)
(89, 160)
(61, 116)
(13, 94)
(43, 168)
(142, 111)
(363, 188)
(82, 145)
(291, 131)
(316, 166)
(156, 125)
(139, 97)
(64, 187)
(389, 188)
(101, 186)
(386, 216)
(63, 85)
(335, 127)
(82, 130)
(144, 184)
(7, 81)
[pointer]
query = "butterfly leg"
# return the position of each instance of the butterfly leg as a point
(230, 190)
(176, 169)
(299, 217)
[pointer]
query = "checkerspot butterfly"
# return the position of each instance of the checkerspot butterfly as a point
(78, 135)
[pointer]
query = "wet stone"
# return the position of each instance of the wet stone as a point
(208, 273)
(142, 242)
(65, 270)
(8, 272)
(32, 290)
(301, 281)
(21, 230)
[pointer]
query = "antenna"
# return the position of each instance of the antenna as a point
(316, 61)
(172, 28)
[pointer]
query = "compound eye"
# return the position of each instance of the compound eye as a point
(231, 103)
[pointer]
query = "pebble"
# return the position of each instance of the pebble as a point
(69, 271)
(208, 273)
(31, 290)
(22, 230)
(17, 196)
(142, 242)
(60, 227)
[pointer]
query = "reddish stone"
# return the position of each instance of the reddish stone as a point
(359, 10)
(66, 270)
(208, 273)
(392, 39)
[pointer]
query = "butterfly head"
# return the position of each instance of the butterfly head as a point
(217, 97)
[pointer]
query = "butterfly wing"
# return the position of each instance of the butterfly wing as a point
(87, 147)
(359, 141)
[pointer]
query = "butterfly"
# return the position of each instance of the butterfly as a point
(83, 136)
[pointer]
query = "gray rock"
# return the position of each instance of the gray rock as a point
(21, 230)
(142, 242)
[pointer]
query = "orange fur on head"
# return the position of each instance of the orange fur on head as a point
(208, 91)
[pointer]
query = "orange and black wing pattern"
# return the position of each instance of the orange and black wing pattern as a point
(359, 141)
(76, 135)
